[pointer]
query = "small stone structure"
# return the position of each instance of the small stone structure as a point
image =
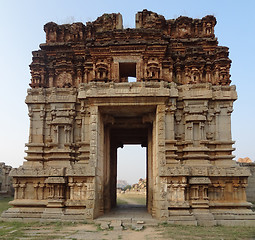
(82, 107)
(5, 180)
(250, 189)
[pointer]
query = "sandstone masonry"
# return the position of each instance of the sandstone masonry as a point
(83, 106)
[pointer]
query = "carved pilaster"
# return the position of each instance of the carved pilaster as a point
(160, 137)
(23, 189)
(36, 187)
(16, 190)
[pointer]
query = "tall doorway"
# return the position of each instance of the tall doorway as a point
(125, 126)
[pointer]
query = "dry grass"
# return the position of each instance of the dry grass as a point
(130, 198)
(201, 233)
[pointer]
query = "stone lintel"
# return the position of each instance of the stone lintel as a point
(228, 171)
(199, 180)
(55, 180)
(61, 121)
(208, 171)
(139, 89)
(195, 117)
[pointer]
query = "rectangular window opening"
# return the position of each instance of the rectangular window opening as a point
(127, 72)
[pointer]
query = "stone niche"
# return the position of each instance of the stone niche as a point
(83, 106)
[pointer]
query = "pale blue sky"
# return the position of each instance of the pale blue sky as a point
(21, 32)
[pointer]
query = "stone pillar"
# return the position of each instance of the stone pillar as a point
(85, 134)
(71, 186)
(94, 158)
(160, 69)
(93, 135)
(42, 189)
(86, 72)
(36, 187)
(170, 134)
(79, 75)
(115, 74)
(23, 188)
(150, 175)
(79, 192)
(30, 114)
(16, 188)
(171, 73)
(160, 188)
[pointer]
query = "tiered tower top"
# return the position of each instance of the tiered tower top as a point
(182, 50)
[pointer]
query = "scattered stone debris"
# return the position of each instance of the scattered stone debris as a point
(137, 227)
(105, 225)
(116, 224)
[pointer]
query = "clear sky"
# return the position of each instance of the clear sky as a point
(21, 32)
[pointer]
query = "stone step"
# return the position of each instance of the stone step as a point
(181, 222)
(234, 216)
(237, 222)
(206, 222)
(181, 218)
(205, 219)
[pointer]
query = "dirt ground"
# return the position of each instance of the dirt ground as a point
(85, 231)
(90, 232)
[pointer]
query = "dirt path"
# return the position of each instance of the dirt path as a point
(90, 232)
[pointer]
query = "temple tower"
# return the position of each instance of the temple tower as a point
(83, 106)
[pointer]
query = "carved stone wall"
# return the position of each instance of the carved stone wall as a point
(82, 107)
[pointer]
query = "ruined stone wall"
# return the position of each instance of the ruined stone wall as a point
(5, 180)
(250, 190)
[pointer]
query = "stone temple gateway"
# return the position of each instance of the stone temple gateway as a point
(83, 106)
